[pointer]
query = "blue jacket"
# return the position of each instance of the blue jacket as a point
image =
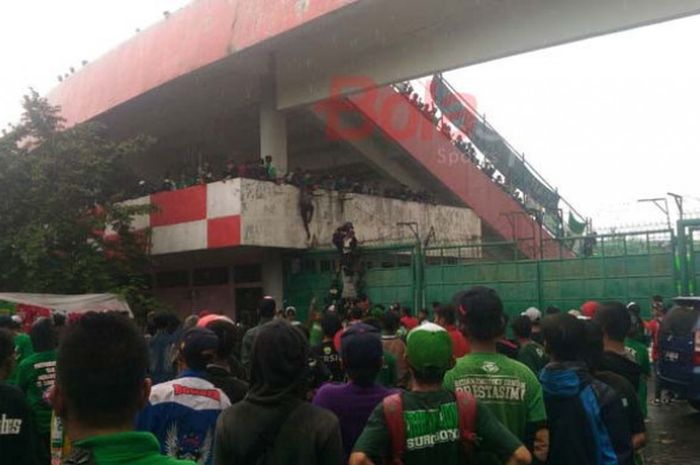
(182, 414)
(587, 422)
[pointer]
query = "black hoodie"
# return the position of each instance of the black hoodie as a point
(273, 425)
(623, 365)
(18, 442)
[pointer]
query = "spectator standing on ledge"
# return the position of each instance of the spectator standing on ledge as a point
(266, 312)
(447, 318)
(530, 353)
(101, 385)
(18, 438)
(273, 424)
(353, 402)
(270, 169)
(438, 426)
(182, 413)
(231, 171)
(35, 376)
(484, 372)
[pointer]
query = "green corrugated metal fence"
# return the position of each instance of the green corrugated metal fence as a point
(625, 267)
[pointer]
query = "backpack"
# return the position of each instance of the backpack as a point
(393, 414)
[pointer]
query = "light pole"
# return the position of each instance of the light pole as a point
(662, 204)
(679, 204)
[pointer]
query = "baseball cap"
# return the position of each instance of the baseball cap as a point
(6, 321)
(198, 347)
(533, 314)
(205, 320)
(634, 307)
(589, 309)
(429, 346)
(359, 344)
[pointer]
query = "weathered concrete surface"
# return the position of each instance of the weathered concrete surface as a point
(270, 217)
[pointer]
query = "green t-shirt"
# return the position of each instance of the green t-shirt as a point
(36, 375)
(640, 352)
(432, 432)
(130, 448)
(271, 171)
(509, 388)
(532, 355)
(23, 349)
(315, 335)
(387, 375)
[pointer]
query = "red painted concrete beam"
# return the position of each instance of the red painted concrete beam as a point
(200, 34)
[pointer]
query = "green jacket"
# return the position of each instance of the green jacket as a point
(129, 448)
(35, 376)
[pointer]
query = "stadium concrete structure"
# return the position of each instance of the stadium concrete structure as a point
(236, 80)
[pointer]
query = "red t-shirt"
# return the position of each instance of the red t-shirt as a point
(460, 344)
(653, 330)
(409, 322)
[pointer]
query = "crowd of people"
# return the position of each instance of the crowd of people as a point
(366, 386)
(432, 113)
(265, 170)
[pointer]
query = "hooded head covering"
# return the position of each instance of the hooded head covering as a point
(279, 361)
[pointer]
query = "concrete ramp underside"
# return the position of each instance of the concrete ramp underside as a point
(421, 142)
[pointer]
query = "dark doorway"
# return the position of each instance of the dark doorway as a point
(247, 299)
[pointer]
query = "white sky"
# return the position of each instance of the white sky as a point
(607, 120)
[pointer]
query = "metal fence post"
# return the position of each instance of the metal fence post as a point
(683, 257)
(540, 284)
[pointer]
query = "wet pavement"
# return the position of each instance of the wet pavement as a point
(673, 435)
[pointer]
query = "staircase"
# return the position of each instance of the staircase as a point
(387, 111)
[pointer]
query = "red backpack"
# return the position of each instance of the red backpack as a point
(393, 414)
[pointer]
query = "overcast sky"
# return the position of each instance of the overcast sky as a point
(608, 120)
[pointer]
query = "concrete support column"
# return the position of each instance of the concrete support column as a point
(273, 276)
(273, 123)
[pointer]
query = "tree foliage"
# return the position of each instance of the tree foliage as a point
(60, 190)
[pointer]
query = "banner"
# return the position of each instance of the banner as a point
(492, 145)
(575, 226)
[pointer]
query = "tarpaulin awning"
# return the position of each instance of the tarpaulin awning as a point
(70, 303)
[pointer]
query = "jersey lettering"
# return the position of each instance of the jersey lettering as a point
(10, 426)
(181, 390)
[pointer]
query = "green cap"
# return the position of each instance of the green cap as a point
(429, 346)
